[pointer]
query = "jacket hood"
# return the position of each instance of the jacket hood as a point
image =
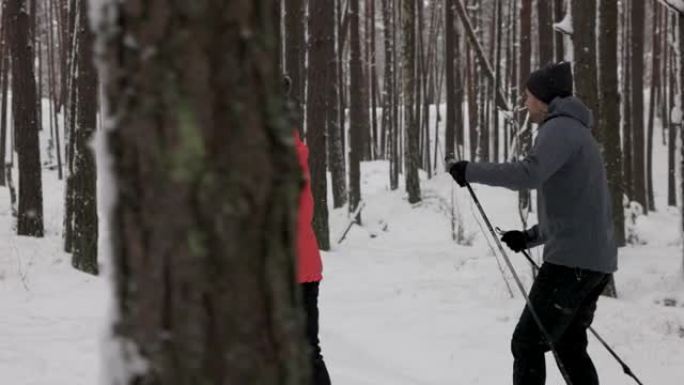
(573, 108)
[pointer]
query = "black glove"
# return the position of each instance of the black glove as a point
(515, 240)
(458, 172)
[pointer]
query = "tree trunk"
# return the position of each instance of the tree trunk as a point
(411, 128)
(653, 105)
(30, 221)
(4, 71)
(559, 12)
(388, 110)
(204, 208)
(672, 126)
(295, 51)
(358, 114)
(335, 149)
(681, 104)
(316, 110)
(586, 74)
(451, 42)
(524, 199)
(545, 31)
(609, 119)
(84, 176)
(637, 80)
(627, 129)
(373, 78)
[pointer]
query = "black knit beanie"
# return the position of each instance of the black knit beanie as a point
(551, 81)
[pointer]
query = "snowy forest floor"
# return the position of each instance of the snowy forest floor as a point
(401, 303)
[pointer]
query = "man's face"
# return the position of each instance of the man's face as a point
(536, 108)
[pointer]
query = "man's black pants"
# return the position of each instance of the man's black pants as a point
(565, 299)
(310, 298)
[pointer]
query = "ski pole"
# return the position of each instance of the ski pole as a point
(534, 314)
(625, 368)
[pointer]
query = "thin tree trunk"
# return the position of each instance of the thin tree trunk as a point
(295, 51)
(316, 110)
(627, 129)
(333, 117)
(4, 71)
(451, 42)
(653, 105)
(609, 120)
(30, 220)
(586, 73)
(358, 114)
(545, 31)
(672, 126)
(84, 177)
(524, 199)
(411, 128)
(637, 80)
(558, 11)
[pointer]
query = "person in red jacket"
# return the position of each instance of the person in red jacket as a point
(309, 265)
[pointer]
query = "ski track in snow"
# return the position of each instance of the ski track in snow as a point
(401, 304)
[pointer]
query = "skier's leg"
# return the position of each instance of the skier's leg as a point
(572, 347)
(310, 296)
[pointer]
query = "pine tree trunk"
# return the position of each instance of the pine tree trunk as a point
(672, 126)
(411, 126)
(358, 114)
(205, 201)
(84, 177)
(388, 109)
(451, 42)
(653, 105)
(30, 220)
(524, 199)
(586, 74)
(609, 120)
(335, 149)
(681, 104)
(637, 56)
(545, 31)
(316, 110)
(4, 79)
(373, 79)
(295, 51)
(627, 129)
(558, 11)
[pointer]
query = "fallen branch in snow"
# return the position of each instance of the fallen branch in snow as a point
(355, 214)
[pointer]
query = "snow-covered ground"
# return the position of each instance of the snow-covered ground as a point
(401, 303)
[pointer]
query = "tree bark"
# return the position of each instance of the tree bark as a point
(30, 220)
(84, 176)
(358, 114)
(609, 119)
(558, 11)
(202, 224)
(335, 149)
(411, 126)
(637, 56)
(295, 51)
(653, 105)
(545, 31)
(627, 129)
(317, 111)
(586, 73)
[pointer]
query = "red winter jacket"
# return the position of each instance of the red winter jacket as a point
(309, 266)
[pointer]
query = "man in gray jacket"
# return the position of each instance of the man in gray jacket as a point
(575, 226)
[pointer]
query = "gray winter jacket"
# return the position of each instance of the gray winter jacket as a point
(574, 206)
